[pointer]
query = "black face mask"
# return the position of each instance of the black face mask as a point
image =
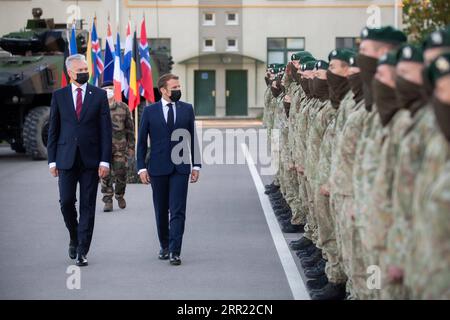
(408, 94)
(368, 66)
(82, 77)
(338, 86)
(175, 95)
(386, 101)
(321, 89)
(305, 85)
(442, 112)
(356, 85)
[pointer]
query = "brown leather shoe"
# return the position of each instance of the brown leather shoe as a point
(122, 203)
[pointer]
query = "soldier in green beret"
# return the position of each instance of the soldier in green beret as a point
(427, 269)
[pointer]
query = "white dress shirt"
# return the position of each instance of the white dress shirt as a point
(74, 96)
(166, 114)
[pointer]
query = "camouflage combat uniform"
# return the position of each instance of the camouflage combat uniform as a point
(123, 142)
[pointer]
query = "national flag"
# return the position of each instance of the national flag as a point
(97, 61)
(73, 41)
(108, 72)
(89, 60)
(64, 69)
(118, 73)
(127, 60)
(135, 77)
(146, 68)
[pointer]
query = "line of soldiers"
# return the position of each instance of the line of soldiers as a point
(364, 170)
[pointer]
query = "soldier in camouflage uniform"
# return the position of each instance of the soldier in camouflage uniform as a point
(410, 161)
(123, 146)
(375, 43)
(340, 93)
(427, 268)
(395, 118)
(341, 184)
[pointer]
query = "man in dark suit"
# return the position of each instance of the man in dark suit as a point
(170, 125)
(79, 151)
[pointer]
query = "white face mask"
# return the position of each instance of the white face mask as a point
(109, 93)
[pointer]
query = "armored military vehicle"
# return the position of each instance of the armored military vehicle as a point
(31, 66)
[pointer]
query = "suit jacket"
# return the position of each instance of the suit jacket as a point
(92, 134)
(154, 125)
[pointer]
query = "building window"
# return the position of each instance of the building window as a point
(160, 45)
(347, 42)
(279, 50)
(209, 19)
(209, 45)
(232, 44)
(232, 19)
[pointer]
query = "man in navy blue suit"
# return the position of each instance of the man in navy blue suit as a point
(170, 125)
(79, 151)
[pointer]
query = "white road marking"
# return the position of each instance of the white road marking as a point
(293, 276)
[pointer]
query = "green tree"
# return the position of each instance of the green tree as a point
(421, 17)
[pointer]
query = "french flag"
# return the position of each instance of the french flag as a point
(127, 60)
(118, 72)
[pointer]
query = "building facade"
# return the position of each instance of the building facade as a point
(221, 47)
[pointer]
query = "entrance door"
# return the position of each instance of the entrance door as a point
(205, 93)
(236, 92)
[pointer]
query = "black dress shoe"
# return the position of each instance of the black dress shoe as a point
(81, 260)
(163, 254)
(175, 259)
(315, 284)
(331, 291)
(73, 249)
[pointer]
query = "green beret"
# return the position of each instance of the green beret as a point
(300, 55)
(436, 39)
(273, 70)
(410, 53)
(321, 65)
(389, 58)
(384, 34)
(308, 65)
(439, 68)
(342, 54)
(307, 59)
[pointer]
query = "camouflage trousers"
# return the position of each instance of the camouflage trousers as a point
(342, 207)
(358, 269)
(370, 258)
(300, 204)
(311, 223)
(291, 196)
(116, 182)
(326, 227)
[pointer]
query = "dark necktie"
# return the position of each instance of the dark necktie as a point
(170, 118)
(79, 102)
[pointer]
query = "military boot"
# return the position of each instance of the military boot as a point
(317, 270)
(318, 283)
(303, 243)
(331, 291)
(122, 203)
(108, 206)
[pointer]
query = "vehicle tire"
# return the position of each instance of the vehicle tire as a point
(35, 132)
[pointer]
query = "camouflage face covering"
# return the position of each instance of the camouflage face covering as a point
(442, 111)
